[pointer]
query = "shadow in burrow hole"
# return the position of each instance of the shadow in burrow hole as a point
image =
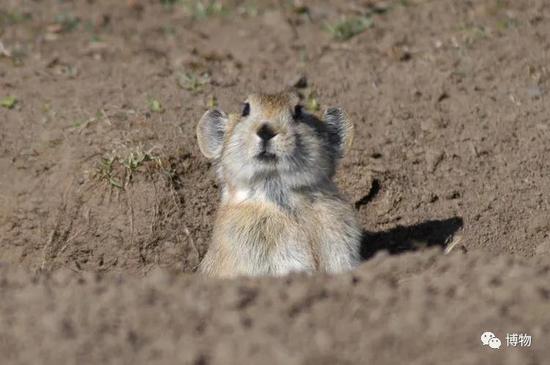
(402, 239)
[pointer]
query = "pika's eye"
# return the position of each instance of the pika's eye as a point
(246, 110)
(297, 112)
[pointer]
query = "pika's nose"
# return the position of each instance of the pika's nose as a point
(265, 132)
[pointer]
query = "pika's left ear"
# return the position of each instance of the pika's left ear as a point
(340, 130)
(211, 133)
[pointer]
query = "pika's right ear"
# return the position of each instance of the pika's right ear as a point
(211, 131)
(340, 130)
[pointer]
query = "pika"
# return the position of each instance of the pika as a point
(280, 210)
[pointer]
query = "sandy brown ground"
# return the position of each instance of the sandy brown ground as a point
(106, 203)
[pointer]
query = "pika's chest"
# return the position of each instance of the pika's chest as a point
(264, 240)
(256, 224)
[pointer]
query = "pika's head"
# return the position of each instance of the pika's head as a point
(274, 138)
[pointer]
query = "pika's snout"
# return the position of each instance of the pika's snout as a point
(265, 132)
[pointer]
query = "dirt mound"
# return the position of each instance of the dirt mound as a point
(101, 174)
(415, 309)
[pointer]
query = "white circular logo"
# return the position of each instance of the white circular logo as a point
(486, 337)
(494, 343)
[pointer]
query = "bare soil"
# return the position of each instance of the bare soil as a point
(106, 204)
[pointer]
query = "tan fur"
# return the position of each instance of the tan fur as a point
(283, 216)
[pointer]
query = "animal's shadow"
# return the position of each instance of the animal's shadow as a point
(403, 239)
